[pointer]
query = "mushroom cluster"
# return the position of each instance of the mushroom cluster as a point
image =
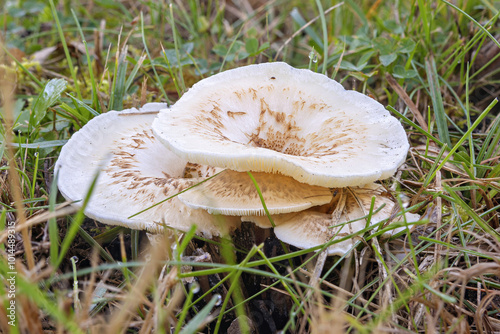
(314, 150)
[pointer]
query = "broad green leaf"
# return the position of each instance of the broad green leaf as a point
(252, 33)
(387, 60)
(365, 58)
(347, 65)
(219, 50)
(264, 46)
(394, 27)
(406, 45)
(50, 94)
(252, 45)
(400, 72)
(383, 45)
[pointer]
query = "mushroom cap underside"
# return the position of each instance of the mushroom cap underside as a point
(234, 193)
(278, 119)
(345, 218)
(133, 172)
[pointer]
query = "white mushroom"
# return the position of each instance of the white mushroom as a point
(135, 172)
(316, 226)
(234, 193)
(277, 119)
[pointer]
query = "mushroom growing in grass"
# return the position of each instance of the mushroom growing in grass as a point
(348, 217)
(273, 118)
(134, 172)
(137, 172)
(277, 119)
(234, 193)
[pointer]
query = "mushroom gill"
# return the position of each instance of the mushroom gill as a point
(342, 222)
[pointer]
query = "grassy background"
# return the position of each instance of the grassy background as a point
(435, 64)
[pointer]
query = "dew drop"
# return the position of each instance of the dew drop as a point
(194, 287)
(313, 56)
(219, 300)
(74, 259)
(405, 200)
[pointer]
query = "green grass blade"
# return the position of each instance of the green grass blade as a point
(159, 84)
(463, 138)
(75, 224)
(74, 112)
(66, 50)
(480, 221)
(200, 319)
(53, 228)
(490, 143)
(297, 17)
(437, 101)
(35, 172)
(416, 126)
(118, 86)
(133, 73)
(177, 46)
(261, 199)
(325, 35)
(95, 92)
(424, 9)
(84, 106)
(479, 25)
(234, 290)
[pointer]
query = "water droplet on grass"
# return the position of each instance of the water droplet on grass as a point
(313, 56)
(195, 287)
(219, 300)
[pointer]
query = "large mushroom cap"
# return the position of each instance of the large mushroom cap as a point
(275, 118)
(135, 172)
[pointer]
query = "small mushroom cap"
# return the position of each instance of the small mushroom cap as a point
(316, 226)
(234, 193)
(277, 119)
(135, 172)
